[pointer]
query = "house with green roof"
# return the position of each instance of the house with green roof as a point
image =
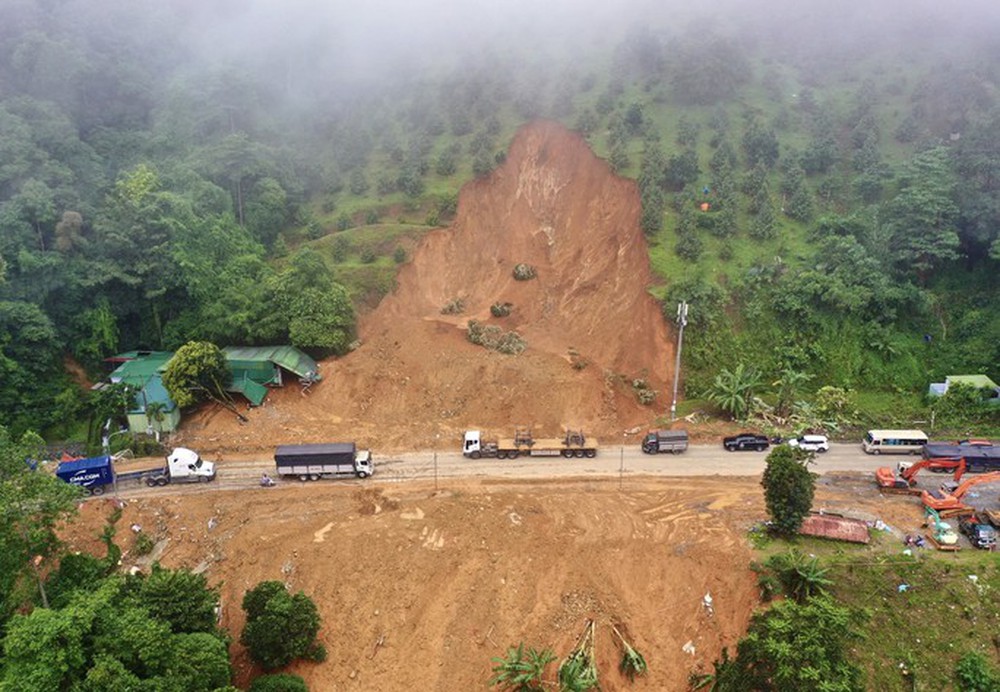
(253, 369)
(981, 382)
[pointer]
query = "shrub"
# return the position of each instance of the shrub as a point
(280, 626)
(495, 339)
(455, 306)
(524, 272)
(501, 309)
(368, 255)
(974, 674)
(143, 544)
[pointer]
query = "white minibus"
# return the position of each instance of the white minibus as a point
(894, 441)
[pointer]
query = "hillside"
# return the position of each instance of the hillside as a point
(415, 376)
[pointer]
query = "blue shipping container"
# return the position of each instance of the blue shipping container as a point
(87, 473)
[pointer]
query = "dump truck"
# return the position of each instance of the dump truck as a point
(572, 444)
(658, 441)
(96, 474)
(310, 462)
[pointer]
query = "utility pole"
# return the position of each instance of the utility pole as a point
(682, 320)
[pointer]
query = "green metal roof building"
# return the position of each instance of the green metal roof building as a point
(253, 369)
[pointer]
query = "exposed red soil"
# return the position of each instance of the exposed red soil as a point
(416, 381)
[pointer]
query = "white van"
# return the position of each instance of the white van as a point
(894, 442)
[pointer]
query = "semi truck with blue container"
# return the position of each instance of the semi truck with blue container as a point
(96, 474)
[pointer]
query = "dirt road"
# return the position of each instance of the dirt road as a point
(624, 461)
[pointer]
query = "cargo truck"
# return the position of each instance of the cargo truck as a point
(314, 461)
(96, 474)
(672, 441)
(573, 444)
(979, 458)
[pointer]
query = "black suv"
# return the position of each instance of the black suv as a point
(979, 533)
(746, 442)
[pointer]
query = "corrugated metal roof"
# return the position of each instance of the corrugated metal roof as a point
(836, 527)
(978, 381)
(253, 391)
(137, 367)
(288, 357)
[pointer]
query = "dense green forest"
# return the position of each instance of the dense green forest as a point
(171, 172)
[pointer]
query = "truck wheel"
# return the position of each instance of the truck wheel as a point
(590, 453)
(362, 474)
(568, 453)
(150, 482)
(501, 455)
(314, 477)
(303, 477)
(162, 480)
(203, 479)
(476, 455)
(875, 452)
(97, 490)
(513, 454)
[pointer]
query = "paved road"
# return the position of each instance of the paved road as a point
(698, 460)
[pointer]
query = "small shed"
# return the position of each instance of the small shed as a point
(254, 368)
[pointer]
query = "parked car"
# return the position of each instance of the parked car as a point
(980, 534)
(811, 443)
(746, 441)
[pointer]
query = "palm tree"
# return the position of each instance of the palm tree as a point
(578, 672)
(733, 390)
(521, 670)
(155, 412)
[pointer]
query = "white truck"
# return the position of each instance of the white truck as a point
(573, 444)
(314, 461)
(95, 474)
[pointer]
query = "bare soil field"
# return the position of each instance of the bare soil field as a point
(419, 589)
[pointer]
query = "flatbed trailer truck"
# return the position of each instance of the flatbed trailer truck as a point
(573, 444)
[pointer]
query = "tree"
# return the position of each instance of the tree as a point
(32, 504)
(278, 682)
(521, 670)
(733, 390)
(198, 371)
(280, 627)
(921, 219)
(180, 598)
(789, 487)
(793, 646)
(102, 640)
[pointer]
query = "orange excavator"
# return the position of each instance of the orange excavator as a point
(903, 481)
(949, 504)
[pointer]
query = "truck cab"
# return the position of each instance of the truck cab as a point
(186, 464)
(363, 466)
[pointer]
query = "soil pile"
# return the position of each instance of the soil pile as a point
(418, 590)
(590, 325)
